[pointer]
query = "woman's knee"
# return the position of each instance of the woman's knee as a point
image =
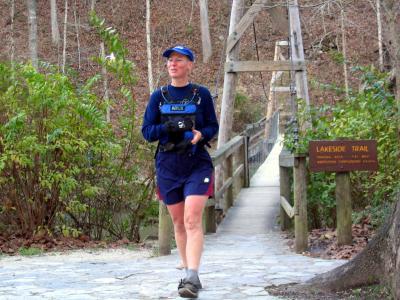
(179, 226)
(192, 222)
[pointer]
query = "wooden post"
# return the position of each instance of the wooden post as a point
(300, 203)
(237, 181)
(228, 174)
(246, 171)
(343, 208)
(164, 230)
(210, 224)
(284, 183)
(229, 89)
(243, 159)
(297, 51)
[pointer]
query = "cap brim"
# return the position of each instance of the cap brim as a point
(168, 52)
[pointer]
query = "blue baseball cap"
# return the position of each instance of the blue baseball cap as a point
(180, 49)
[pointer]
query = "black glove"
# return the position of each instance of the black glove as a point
(179, 126)
(183, 146)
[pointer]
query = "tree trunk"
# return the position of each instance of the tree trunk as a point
(77, 25)
(379, 25)
(391, 15)
(105, 83)
(343, 30)
(64, 57)
(12, 46)
(55, 34)
(32, 23)
(205, 31)
(378, 262)
(92, 4)
(148, 43)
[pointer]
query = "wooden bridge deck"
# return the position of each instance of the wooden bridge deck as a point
(256, 208)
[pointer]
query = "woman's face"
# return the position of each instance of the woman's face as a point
(179, 66)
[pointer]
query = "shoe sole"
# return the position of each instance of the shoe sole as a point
(186, 293)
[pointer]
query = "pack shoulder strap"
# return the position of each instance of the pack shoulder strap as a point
(166, 97)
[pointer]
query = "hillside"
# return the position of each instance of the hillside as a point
(175, 22)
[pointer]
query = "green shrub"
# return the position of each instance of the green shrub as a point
(63, 168)
(29, 251)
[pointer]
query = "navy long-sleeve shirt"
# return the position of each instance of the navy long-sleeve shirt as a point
(205, 119)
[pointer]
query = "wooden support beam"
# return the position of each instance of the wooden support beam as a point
(229, 90)
(261, 66)
(225, 186)
(280, 89)
(229, 174)
(297, 50)
(289, 210)
(244, 23)
(242, 157)
(282, 43)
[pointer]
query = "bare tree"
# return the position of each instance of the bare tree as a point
(77, 24)
(380, 43)
(105, 82)
(92, 4)
(55, 33)
(32, 23)
(191, 14)
(12, 46)
(64, 57)
(148, 43)
(205, 31)
(343, 31)
(391, 14)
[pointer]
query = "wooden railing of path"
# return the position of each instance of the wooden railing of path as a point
(293, 168)
(235, 156)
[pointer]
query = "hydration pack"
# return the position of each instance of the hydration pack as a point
(177, 110)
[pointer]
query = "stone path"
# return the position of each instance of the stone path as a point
(246, 254)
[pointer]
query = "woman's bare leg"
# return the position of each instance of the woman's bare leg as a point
(177, 214)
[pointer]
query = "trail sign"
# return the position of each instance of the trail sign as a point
(343, 156)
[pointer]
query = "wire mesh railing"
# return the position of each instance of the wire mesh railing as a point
(259, 145)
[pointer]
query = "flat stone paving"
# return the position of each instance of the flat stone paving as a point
(246, 254)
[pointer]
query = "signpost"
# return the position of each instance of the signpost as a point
(342, 157)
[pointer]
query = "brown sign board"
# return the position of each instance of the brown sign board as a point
(343, 156)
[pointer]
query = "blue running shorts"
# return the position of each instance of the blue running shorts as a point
(182, 175)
